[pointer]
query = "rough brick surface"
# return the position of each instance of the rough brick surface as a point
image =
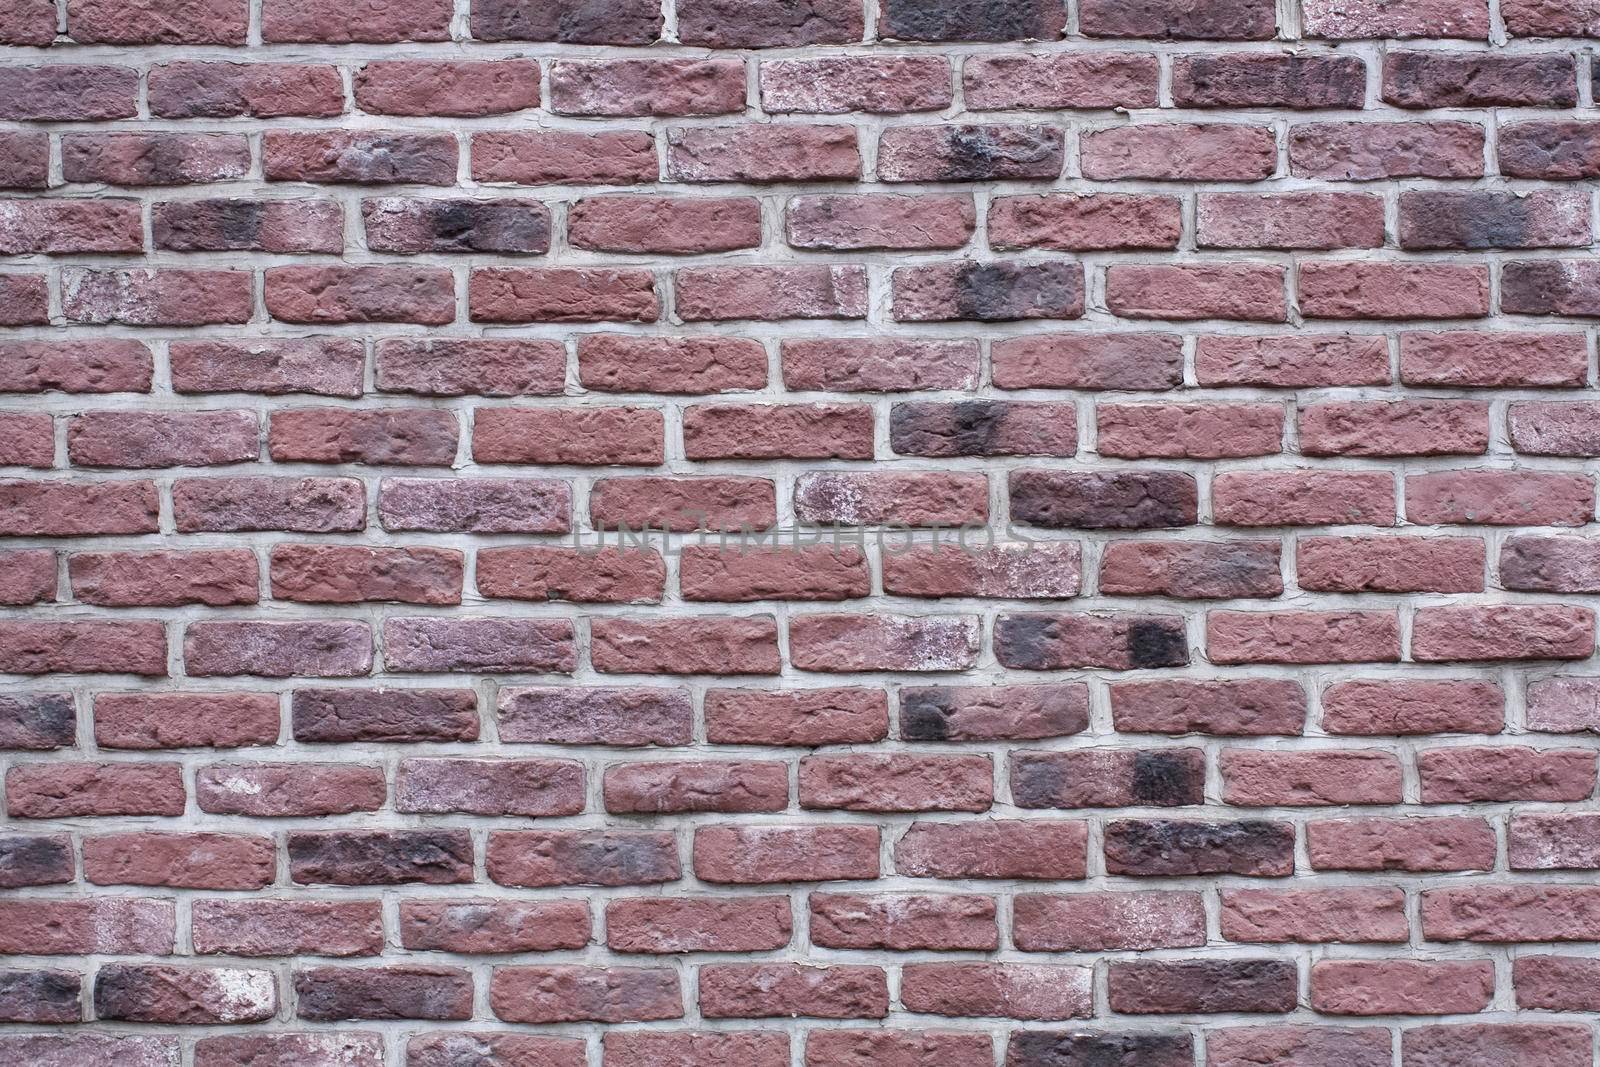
(799, 533)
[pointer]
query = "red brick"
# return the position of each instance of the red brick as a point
(1191, 570)
(1303, 779)
(838, 84)
(1188, 431)
(1255, 79)
(1358, 19)
(1118, 642)
(1314, 916)
(216, 90)
(664, 225)
(1189, 987)
(1047, 81)
(153, 158)
(1245, 292)
(1500, 498)
(900, 782)
(288, 927)
(993, 713)
(1245, 708)
(1390, 564)
(590, 436)
(1124, 360)
(802, 717)
(563, 716)
(566, 21)
(38, 722)
(1316, 221)
(1171, 152)
(713, 294)
(699, 644)
(599, 576)
(359, 157)
(1393, 291)
(406, 226)
(910, 499)
(185, 720)
(288, 789)
(1072, 223)
(302, 505)
(624, 363)
(704, 924)
(579, 294)
(1303, 498)
(110, 925)
(1023, 571)
(326, 21)
(156, 297)
(1549, 150)
(778, 431)
(1164, 19)
(1461, 775)
(991, 848)
(327, 994)
(321, 1049)
(1401, 987)
(1108, 778)
(435, 643)
(380, 857)
(189, 996)
(410, 87)
(736, 573)
(917, 20)
(1107, 500)
(1509, 913)
(76, 366)
(1550, 287)
(1290, 362)
(1543, 429)
(421, 295)
(68, 92)
(768, 990)
(763, 153)
(789, 853)
(883, 642)
(689, 1048)
(1300, 1046)
(325, 366)
(530, 787)
(768, 23)
(285, 226)
(333, 648)
(27, 440)
(539, 858)
(1553, 842)
(86, 647)
(71, 227)
(1484, 220)
(683, 504)
(649, 788)
(903, 922)
(1098, 922)
(878, 222)
(564, 157)
(1371, 151)
(988, 292)
(1302, 637)
(969, 153)
(151, 439)
(1413, 844)
(386, 715)
(493, 926)
(627, 87)
(585, 994)
(1378, 707)
(1512, 1046)
(183, 861)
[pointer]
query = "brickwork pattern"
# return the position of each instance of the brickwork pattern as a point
(1253, 722)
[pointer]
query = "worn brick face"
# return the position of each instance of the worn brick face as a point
(930, 533)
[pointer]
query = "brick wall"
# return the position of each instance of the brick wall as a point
(1252, 724)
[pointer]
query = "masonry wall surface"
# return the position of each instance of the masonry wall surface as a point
(1251, 721)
